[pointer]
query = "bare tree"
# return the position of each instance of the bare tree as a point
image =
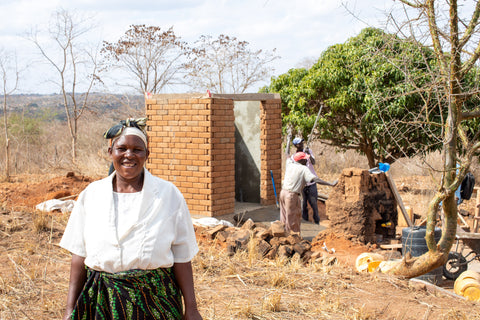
(76, 66)
(9, 75)
(452, 31)
(152, 56)
(227, 65)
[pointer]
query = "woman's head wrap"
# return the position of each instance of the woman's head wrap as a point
(129, 126)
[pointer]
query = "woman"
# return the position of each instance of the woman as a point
(131, 239)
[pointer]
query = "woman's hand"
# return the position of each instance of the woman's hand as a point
(78, 276)
(184, 276)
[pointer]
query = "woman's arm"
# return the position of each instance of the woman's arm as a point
(184, 276)
(78, 276)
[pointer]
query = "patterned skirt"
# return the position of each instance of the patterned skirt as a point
(135, 294)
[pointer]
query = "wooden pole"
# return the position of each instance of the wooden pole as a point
(476, 217)
(393, 187)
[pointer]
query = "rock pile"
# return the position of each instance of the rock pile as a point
(271, 242)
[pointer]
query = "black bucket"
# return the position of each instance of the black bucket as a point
(413, 241)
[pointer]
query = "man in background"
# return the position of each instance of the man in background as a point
(309, 192)
(297, 175)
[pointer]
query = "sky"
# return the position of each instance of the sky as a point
(298, 30)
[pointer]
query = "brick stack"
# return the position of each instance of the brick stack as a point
(192, 145)
(271, 144)
(362, 206)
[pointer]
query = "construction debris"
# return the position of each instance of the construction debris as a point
(270, 241)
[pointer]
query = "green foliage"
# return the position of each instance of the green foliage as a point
(23, 128)
(365, 86)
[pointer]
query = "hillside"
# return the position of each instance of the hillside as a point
(37, 105)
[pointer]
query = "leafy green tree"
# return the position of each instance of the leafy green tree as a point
(452, 31)
(361, 85)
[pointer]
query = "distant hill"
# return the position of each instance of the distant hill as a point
(52, 106)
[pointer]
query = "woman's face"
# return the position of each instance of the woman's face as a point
(128, 156)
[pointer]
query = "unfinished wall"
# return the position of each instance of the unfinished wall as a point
(192, 144)
(270, 149)
(360, 204)
(247, 151)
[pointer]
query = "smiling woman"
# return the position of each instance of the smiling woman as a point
(131, 239)
(129, 153)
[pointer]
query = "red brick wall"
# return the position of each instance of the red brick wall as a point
(192, 144)
(271, 149)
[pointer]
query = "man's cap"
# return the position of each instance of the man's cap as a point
(300, 156)
(297, 141)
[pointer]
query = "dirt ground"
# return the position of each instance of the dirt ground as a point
(34, 270)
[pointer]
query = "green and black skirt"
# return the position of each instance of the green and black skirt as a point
(136, 294)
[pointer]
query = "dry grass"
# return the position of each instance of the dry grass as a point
(40, 221)
(34, 270)
(238, 287)
(34, 281)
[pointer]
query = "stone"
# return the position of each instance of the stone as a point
(300, 248)
(240, 237)
(222, 236)
(262, 233)
(315, 255)
(263, 247)
(307, 256)
(272, 253)
(329, 261)
(294, 239)
(285, 251)
(275, 242)
(213, 231)
(278, 229)
(248, 225)
(231, 249)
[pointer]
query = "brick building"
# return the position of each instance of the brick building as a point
(218, 149)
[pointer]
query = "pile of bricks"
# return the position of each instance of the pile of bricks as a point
(272, 241)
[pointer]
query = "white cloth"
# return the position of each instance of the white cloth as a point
(311, 168)
(296, 176)
(56, 204)
(211, 222)
(161, 235)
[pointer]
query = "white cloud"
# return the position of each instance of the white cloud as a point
(298, 29)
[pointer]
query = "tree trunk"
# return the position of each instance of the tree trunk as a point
(438, 252)
(370, 154)
(74, 149)
(7, 141)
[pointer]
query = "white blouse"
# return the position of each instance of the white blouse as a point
(155, 230)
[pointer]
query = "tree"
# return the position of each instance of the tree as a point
(9, 75)
(227, 65)
(361, 85)
(452, 31)
(153, 57)
(75, 66)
